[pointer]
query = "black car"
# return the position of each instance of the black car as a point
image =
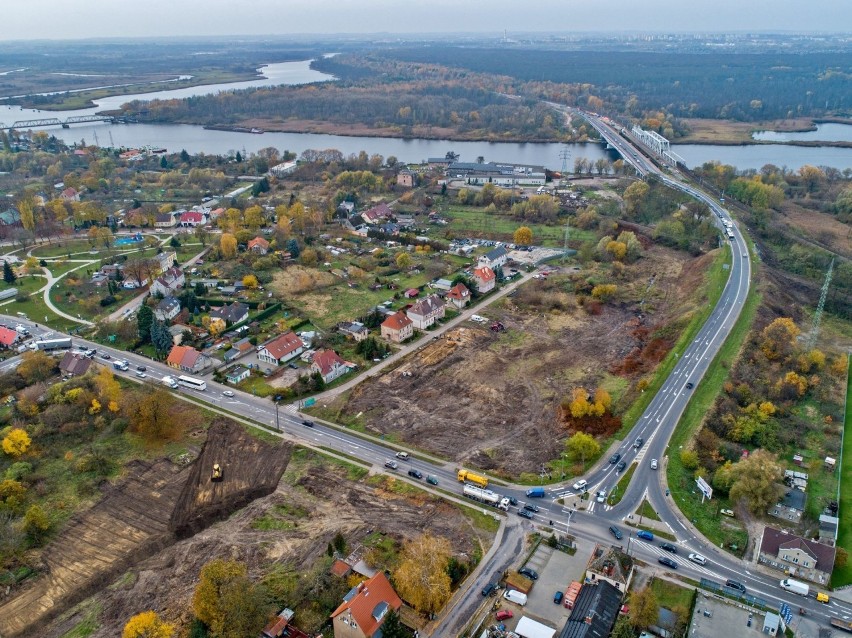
(105, 355)
(525, 513)
(141, 369)
(689, 385)
(668, 562)
(292, 365)
(513, 500)
(638, 442)
(416, 474)
(308, 423)
(615, 532)
(530, 507)
(489, 590)
(735, 585)
(615, 458)
(668, 547)
(620, 467)
(529, 573)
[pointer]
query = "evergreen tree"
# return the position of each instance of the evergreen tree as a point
(293, 248)
(144, 319)
(239, 157)
(392, 627)
(184, 157)
(164, 163)
(8, 274)
(161, 337)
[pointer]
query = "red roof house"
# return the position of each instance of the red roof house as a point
(282, 348)
(187, 359)
(484, 278)
(397, 328)
(459, 295)
(329, 364)
(258, 245)
(365, 608)
(8, 337)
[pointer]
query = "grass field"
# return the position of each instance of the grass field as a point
(646, 511)
(617, 493)
(672, 596)
(843, 575)
(466, 221)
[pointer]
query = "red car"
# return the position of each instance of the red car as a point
(504, 614)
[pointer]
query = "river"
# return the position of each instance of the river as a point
(195, 139)
(828, 132)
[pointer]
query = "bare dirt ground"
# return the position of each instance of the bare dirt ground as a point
(492, 400)
(314, 501)
(821, 228)
(157, 503)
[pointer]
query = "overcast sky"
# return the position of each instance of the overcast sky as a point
(67, 19)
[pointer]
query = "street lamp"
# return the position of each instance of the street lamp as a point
(563, 465)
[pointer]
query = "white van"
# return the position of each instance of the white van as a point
(519, 598)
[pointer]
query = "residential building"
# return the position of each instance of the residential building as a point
(800, 558)
(484, 279)
(426, 311)
(411, 293)
(281, 349)
(238, 349)
(365, 608)
(282, 169)
(397, 328)
(70, 195)
(165, 220)
(442, 284)
(166, 259)
(192, 218)
(406, 178)
(377, 214)
(495, 258)
(231, 314)
(8, 337)
(167, 309)
(216, 213)
(258, 246)
(611, 565)
(329, 364)
(595, 611)
(74, 363)
(791, 507)
(354, 329)
(169, 282)
(207, 283)
(459, 296)
(187, 359)
(237, 374)
(346, 207)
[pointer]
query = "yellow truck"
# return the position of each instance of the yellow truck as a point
(467, 476)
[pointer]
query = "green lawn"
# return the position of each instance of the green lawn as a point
(470, 221)
(843, 575)
(617, 493)
(672, 596)
(646, 511)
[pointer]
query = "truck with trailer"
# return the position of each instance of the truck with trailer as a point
(471, 477)
(535, 492)
(51, 344)
(795, 586)
(839, 623)
(122, 365)
(482, 495)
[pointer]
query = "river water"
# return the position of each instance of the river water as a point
(829, 132)
(195, 139)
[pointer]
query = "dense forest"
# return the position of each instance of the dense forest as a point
(745, 87)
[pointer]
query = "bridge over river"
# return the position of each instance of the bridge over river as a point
(23, 125)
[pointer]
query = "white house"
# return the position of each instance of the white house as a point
(329, 364)
(426, 311)
(281, 349)
(169, 282)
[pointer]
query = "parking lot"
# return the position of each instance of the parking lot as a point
(723, 620)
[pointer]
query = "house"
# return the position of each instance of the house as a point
(442, 284)
(216, 213)
(790, 507)
(364, 608)
(167, 309)
(459, 296)
(165, 220)
(207, 283)
(340, 569)
(354, 329)
(281, 349)
(377, 214)
(346, 207)
(177, 331)
(192, 218)
(611, 565)
(231, 314)
(397, 328)
(796, 556)
(411, 293)
(238, 348)
(329, 364)
(594, 612)
(187, 359)
(237, 374)
(406, 178)
(166, 260)
(276, 627)
(258, 246)
(426, 312)
(70, 195)
(8, 337)
(484, 279)
(169, 282)
(495, 258)
(74, 363)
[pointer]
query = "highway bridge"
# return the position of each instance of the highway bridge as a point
(25, 125)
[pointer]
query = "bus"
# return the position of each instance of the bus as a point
(192, 383)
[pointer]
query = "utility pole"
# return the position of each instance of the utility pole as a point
(812, 338)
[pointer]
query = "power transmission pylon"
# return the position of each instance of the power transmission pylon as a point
(812, 338)
(565, 155)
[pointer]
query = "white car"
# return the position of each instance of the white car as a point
(227, 393)
(580, 485)
(141, 375)
(698, 558)
(653, 464)
(601, 497)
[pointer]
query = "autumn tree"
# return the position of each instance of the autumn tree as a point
(228, 246)
(634, 196)
(12, 496)
(523, 236)
(250, 281)
(309, 257)
(36, 524)
(108, 388)
(228, 602)
(36, 366)
(16, 442)
(604, 292)
(422, 578)
(147, 625)
(152, 416)
(403, 260)
(756, 481)
(644, 608)
(779, 338)
(580, 406)
(581, 446)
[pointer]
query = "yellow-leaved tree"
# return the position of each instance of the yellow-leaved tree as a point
(421, 578)
(523, 236)
(147, 625)
(16, 442)
(228, 246)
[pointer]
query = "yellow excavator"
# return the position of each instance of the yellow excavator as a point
(217, 472)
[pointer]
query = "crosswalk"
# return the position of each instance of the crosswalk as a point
(682, 561)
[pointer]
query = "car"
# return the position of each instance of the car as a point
(402, 455)
(615, 532)
(557, 597)
(668, 547)
(653, 464)
(513, 500)
(668, 562)
(489, 590)
(431, 480)
(141, 369)
(601, 496)
(580, 485)
(308, 423)
(292, 365)
(698, 558)
(141, 375)
(689, 385)
(391, 464)
(105, 355)
(638, 443)
(615, 458)
(644, 535)
(524, 513)
(504, 614)
(227, 393)
(621, 466)
(733, 584)
(529, 573)
(416, 474)
(530, 507)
